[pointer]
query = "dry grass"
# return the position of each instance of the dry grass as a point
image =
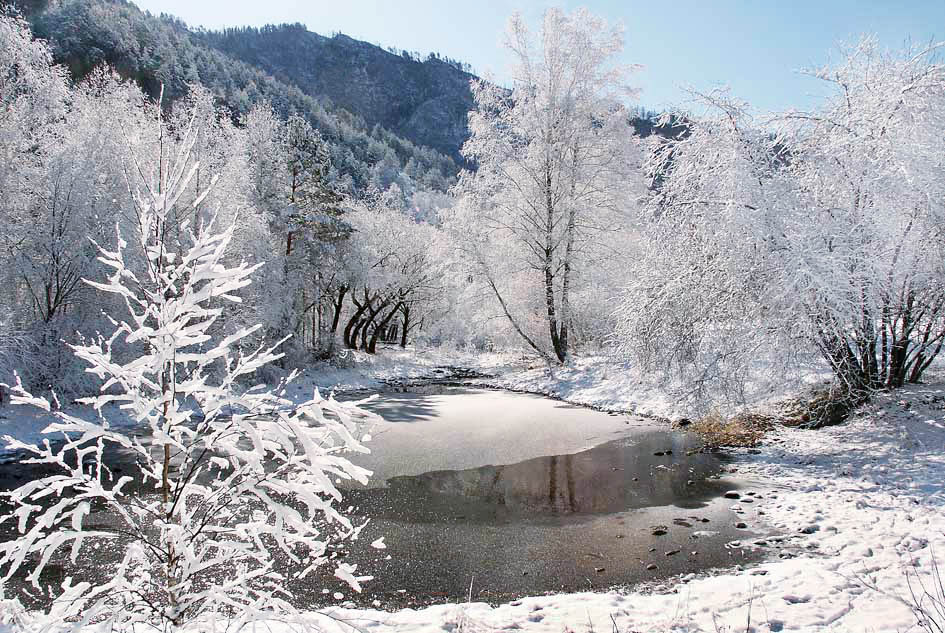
(742, 430)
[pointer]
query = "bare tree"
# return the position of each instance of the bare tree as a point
(554, 158)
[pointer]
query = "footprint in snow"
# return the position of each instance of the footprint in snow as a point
(793, 599)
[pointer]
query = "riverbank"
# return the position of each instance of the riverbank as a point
(864, 501)
(596, 381)
(862, 506)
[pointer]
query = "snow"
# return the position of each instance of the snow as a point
(861, 506)
(870, 493)
(356, 370)
(26, 424)
(598, 381)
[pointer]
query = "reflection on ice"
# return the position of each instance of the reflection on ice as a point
(614, 477)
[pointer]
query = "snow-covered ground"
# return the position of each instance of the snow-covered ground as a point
(361, 371)
(598, 381)
(594, 380)
(865, 503)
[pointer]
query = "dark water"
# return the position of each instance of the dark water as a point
(590, 519)
(615, 477)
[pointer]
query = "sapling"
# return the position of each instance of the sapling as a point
(233, 486)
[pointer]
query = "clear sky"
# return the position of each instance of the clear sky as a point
(754, 47)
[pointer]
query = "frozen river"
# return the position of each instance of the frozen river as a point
(506, 494)
(520, 494)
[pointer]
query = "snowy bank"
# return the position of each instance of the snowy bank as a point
(356, 371)
(862, 506)
(600, 381)
(863, 502)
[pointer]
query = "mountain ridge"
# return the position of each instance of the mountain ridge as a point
(161, 52)
(383, 110)
(424, 101)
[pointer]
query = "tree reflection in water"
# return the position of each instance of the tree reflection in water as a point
(652, 469)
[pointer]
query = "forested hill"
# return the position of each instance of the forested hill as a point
(425, 100)
(162, 50)
(390, 116)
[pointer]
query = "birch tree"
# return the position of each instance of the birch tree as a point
(554, 159)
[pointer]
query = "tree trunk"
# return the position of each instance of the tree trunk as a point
(367, 325)
(356, 334)
(548, 267)
(405, 310)
(372, 346)
(564, 331)
(337, 305)
(350, 331)
(317, 326)
(566, 290)
(551, 314)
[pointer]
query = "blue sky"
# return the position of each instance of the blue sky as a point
(753, 47)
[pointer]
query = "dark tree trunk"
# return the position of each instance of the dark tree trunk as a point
(405, 310)
(337, 305)
(355, 334)
(366, 327)
(351, 329)
(549, 268)
(560, 353)
(372, 346)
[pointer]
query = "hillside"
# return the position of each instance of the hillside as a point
(425, 102)
(154, 50)
(377, 107)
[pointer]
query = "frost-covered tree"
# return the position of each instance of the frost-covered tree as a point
(703, 300)
(221, 151)
(292, 181)
(394, 273)
(33, 102)
(554, 164)
(870, 262)
(232, 501)
(766, 250)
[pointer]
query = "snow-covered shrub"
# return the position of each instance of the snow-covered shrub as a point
(232, 500)
(767, 250)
